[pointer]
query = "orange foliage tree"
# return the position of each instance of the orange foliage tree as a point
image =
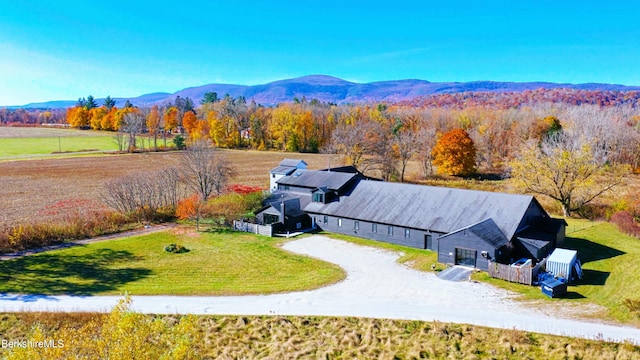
(78, 117)
(455, 153)
(191, 208)
(190, 124)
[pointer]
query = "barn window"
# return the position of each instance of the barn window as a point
(325, 219)
(318, 197)
(407, 234)
(299, 226)
(356, 225)
(374, 228)
(390, 230)
(273, 175)
(339, 222)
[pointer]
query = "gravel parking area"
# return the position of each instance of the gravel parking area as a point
(376, 286)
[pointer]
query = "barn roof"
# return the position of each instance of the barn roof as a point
(427, 207)
(283, 170)
(292, 162)
(487, 230)
(315, 179)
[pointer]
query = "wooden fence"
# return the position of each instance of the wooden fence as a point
(240, 225)
(524, 275)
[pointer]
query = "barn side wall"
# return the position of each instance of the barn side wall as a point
(416, 238)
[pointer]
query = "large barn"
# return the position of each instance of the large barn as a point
(465, 227)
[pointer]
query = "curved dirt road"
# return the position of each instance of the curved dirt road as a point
(376, 286)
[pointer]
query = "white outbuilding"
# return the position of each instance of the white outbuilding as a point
(564, 263)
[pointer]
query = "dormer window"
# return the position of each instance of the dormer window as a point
(318, 197)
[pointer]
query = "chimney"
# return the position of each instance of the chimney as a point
(282, 212)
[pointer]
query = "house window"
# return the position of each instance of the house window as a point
(390, 230)
(273, 176)
(339, 222)
(318, 197)
(374, 228)
(325, 219)
(270, 219)
(407, 233)
(356, 225)
(286, 188)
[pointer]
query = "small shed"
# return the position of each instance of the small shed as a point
(564, 263)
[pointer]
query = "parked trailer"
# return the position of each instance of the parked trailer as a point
(553, 288)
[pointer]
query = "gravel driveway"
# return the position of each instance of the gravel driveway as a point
(376, 286)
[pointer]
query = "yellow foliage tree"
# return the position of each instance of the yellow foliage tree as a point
(78, 117)
(565, 171)
(455, 153)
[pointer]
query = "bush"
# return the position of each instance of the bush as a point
(175, 249)
(30, 236)
(632, 305)
(626, 223)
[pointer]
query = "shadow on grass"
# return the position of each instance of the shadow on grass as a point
(53, 274)
(573, 295)
(590, 251)
(594, 277)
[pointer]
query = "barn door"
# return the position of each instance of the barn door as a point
(428, 241)
(466, 257)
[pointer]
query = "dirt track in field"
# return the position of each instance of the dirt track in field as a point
(50, 189)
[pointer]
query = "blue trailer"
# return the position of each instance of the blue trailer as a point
(553, 288)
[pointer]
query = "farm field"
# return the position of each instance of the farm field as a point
(295, 337)
(50, 189)
(217, 264)
(29, 147)
(27, 143)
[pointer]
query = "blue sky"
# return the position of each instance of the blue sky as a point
(52, 50)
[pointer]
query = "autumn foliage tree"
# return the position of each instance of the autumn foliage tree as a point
(455, 153)
(566, 170)
(191, 208)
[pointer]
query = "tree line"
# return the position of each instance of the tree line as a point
(376, 138)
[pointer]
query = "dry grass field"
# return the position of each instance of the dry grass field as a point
(46, 189)
(291, 337)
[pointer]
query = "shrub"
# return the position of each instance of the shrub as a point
(175, 249)
(34, 235)
(243, 189)
(632, 305)
(122, 334)
(626, 223)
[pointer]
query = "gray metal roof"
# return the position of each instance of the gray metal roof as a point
(427, 207)
(486, 230)
(283, 170)
(538, 244)
(292, 162)
(316, 179)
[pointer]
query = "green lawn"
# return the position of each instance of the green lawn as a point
(25, 147)
(218, 264)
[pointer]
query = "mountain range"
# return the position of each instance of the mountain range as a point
(331, 89)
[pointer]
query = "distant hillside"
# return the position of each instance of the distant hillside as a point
(332, 89)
